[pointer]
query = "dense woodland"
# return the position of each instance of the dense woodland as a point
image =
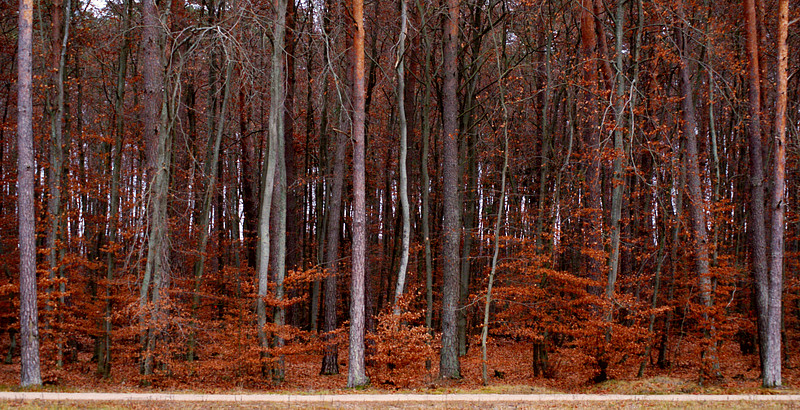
(225, 190)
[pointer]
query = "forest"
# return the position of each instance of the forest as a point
(322, 193)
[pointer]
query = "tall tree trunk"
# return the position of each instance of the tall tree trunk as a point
(59, 31)
(401, 108)
(356, 372)
(756, 222)
(592, 213)
(619, 157)
(30, 374)
(279, 203)
(425, 177)
(500, 207)
(157, 139)
(449, 366)
(772, 373)
(469, 139)
(330, 359)
(268, 180)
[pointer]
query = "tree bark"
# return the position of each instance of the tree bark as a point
(356, 372)
(330, 359)
(401, 108)
(59, 31)
(268, 178)
(592, 213)
(30, 374)
(426, 182)
(756, 222)
(157, 140)
(449, 366)
(772, 374)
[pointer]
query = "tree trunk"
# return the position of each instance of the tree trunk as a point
(619, 163)
(330, 359)
(59, 31)
(268, 181)
(592, 249)
(756, 222)
(30, 374)
(401, 108)
(356, 373)
(449, 366)
(499, 220)
(772, 368)
(426, 182)
(157, 140)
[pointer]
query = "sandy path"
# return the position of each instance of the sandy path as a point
(390, 398)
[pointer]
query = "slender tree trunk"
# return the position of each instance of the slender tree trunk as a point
(330, 359)
(401, 108)
(426, 183)
(268, 181)
(756, 222)
(619, 159)
(499, 221)
(449, 366)
(592, 213)
(30, 374)
(60, 21)
(356, 372)
(772, 373)
(279, 199)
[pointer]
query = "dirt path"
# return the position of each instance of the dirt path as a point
(389, 398)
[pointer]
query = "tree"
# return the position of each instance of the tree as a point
(330, 359)
(61, 15)
(401, 113)
(772, 368)
(28, 314)
(449, 366)
(356, 372)
(277, 89)
(155, 117)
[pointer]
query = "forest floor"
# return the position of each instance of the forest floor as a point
(509, 368)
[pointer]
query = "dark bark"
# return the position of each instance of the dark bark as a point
(756, 222)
